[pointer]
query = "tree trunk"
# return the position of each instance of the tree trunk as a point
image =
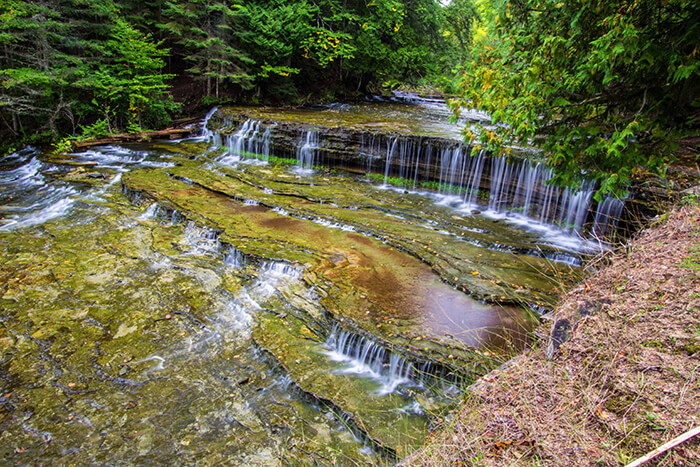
(208, 77)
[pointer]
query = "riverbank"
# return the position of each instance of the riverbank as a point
(625, 381)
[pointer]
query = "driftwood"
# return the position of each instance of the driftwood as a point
(671, 444)
(168, 133)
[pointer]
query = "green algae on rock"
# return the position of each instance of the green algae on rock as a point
(248, 314)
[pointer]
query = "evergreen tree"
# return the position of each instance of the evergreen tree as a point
(205, 32)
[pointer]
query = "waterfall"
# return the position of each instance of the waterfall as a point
(607, 216)
(252, 140)
(370, 148)
(518, 189)
(208, 135)
(367, 358)
(307, 149)
(150, 213)
(390, 149)
(280, 269)
(234, 259)
(470, 196)
(522, 188)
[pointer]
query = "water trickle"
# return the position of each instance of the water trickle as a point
(390, 150)
(367, 358)
(234, 259)
(607, 216)
(308, 149)
(208, 135)
(200, 240)
(149, 213)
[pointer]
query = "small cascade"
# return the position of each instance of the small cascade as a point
(452, 170)
(506, 187)
(372, 147)
(149, 213)
(234, 259)
(522, 188)
(517, 189)
(439, 377)
(607, 216)
(200, 239)
(308, 149)
(279, 269)
(474, 181)
(208, 135)
(390, 150)
(252, 140)
(367, 358)
(274, 275)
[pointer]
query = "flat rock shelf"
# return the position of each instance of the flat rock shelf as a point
(215, 300)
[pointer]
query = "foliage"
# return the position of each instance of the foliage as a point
(205, 34)
(74, 62)
(602, 86)
(129, 85)
(67, 64)
(460, 18)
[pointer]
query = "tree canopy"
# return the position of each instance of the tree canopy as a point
(70, 64)
(603, 87)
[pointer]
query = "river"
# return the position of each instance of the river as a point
(290, 287)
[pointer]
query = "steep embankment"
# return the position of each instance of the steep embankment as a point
(625, 381)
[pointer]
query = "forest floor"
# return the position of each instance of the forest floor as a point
(625, 381)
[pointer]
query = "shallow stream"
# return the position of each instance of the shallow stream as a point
(166, 303)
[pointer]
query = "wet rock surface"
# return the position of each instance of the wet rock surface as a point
(158, 305)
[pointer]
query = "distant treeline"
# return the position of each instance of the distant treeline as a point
(72, 66)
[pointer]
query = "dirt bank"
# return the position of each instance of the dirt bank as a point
(625, 381)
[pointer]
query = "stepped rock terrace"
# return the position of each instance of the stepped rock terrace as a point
(417, 154)
(225, 299)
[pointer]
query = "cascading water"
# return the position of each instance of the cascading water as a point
(607, 216)
(200, 300)
(308, 149)
(208, 135)
(250, 141)
(367, 358)
(522, 189)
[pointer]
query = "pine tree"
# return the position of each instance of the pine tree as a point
(206, 31)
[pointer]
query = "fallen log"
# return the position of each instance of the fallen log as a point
(167, 133)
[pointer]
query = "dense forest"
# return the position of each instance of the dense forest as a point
(603, 87)
(69, 65)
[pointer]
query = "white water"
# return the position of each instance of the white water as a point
(234, 259)
(29, 198)
(206, 134)
(149, 213)
(517, 191)
(308, 149)
(252, 141)
(366, 358)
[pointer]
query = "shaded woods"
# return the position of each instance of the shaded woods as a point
(93, 68)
